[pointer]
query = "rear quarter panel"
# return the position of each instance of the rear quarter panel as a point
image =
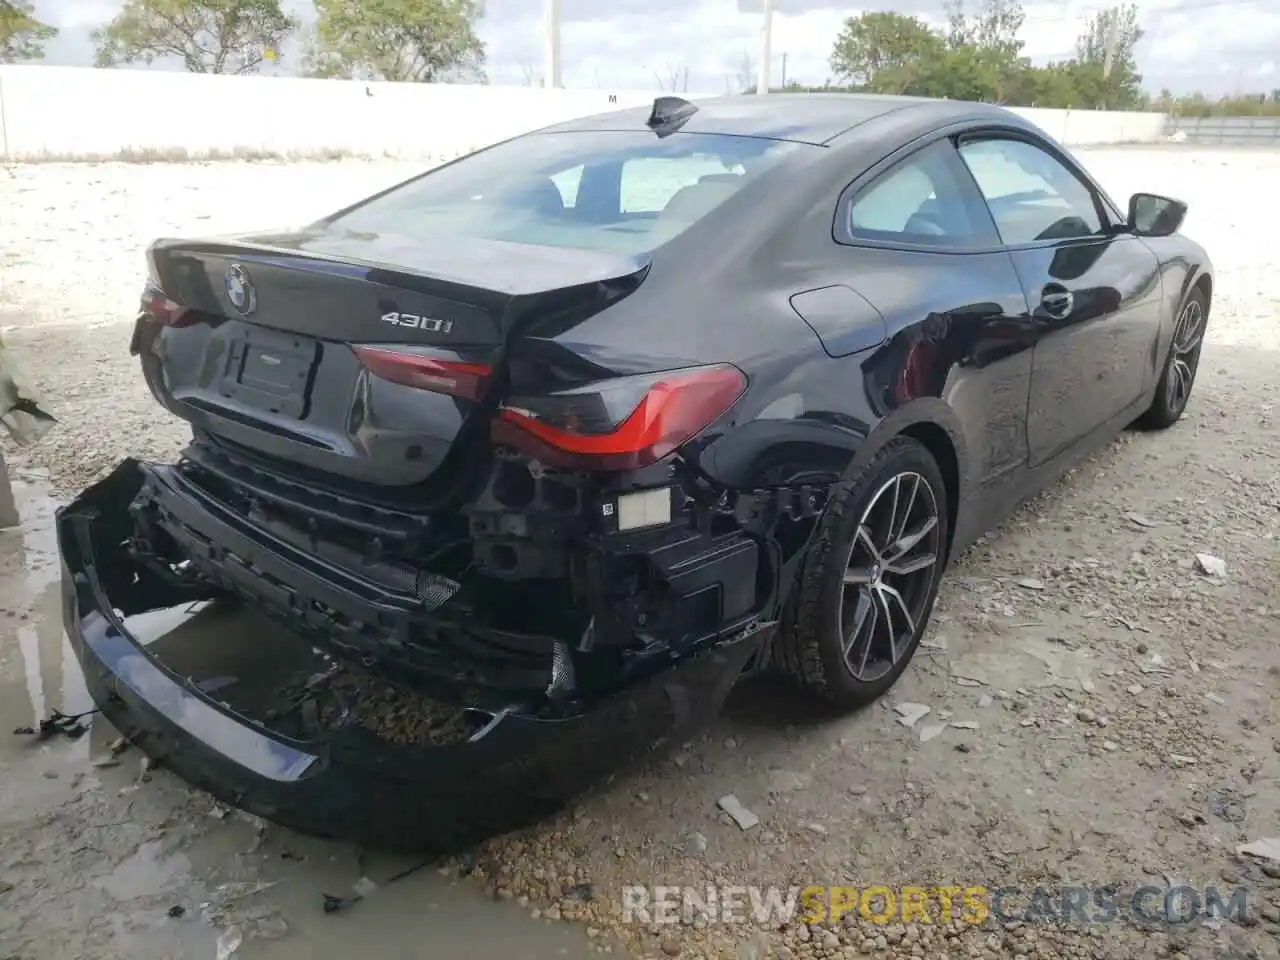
(954, 358)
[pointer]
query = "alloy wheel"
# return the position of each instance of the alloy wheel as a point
(1188, 335)
(889, 575)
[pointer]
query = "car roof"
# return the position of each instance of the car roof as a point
(815, 118)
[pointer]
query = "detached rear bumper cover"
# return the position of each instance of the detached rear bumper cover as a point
(515, 770)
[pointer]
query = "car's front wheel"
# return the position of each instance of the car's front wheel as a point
(1181, 366)
(868, 584)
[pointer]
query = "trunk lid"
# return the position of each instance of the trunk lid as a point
(266, 353)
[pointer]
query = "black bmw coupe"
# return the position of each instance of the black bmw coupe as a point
(575, 431)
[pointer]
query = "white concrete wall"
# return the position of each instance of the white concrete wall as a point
(1082, 127)
(77, 112)
(73, 112)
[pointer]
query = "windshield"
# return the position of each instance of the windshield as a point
(625, 192)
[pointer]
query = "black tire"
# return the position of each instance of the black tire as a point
(1181, 365)
(811, 644)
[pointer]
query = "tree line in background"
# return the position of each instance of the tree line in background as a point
(405, 40)
(977, 55)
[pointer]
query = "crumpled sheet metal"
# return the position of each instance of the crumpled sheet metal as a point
(347, 783)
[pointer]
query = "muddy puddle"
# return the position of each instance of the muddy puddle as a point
(101, 856)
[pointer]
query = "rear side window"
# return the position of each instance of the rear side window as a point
(623, 191)
(924, 200)
(1032, 195)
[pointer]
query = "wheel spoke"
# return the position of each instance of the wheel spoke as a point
(887, 521)
(914, 565)
(1182, 375)
(898, 536)
(900, 526)
(861, 610)
(871, 635)
(865, 616)
(888, 623)
(864, 534)
(1190, 328)
(1180, 328)
(886, 591)
(909, 542)
(1192, 341)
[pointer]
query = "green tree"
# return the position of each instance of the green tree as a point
(991, 33)
(963, 73)
(209, 36)
(1053, 85)
(22, 36)
(406, 40)
(1108, 65)
(991, 25)
(885, 52)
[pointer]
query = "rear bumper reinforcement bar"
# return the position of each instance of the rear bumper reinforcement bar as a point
(515, 769)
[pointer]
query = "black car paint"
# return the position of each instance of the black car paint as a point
(991, 349)
(949, 347)
(325, 285)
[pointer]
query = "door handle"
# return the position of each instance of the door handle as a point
(1056, 300)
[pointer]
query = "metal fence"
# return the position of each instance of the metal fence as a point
(1225, 131)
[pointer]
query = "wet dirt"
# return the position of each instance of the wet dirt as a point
(104, 857)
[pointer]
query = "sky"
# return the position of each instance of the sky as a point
(1215, 46)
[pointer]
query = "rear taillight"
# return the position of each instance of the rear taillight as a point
(167, 313)
(619, 424)
(455, 378)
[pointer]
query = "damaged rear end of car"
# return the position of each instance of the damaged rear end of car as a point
(524, 738)
(401, 454)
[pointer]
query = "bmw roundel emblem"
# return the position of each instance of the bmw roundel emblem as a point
(240, 290)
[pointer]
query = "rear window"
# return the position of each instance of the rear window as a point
(627, 192)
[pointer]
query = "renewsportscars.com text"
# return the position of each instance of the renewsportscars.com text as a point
(972, 904)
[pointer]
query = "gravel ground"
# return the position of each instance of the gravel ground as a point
(1126, 729)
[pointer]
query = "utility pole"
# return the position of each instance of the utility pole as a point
(766, 48)
(1109, 49)
(784, 71)
(1112, 20)
(551, 43)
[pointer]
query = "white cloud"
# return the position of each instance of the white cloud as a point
(1212, 45)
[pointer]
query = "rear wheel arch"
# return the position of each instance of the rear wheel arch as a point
(928, 422)
(940, 446)
(934, 424)
(815, 641)
(744, 462)
(1204, 283)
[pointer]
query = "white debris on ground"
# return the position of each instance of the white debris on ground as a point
(1129, 729)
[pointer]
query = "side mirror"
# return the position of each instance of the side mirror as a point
(1151, 215)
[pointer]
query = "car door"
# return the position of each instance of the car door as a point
(920, 247)
(1094, 294)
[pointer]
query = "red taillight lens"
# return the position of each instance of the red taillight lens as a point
(165, 312)
(453, 377)
(619, 424)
